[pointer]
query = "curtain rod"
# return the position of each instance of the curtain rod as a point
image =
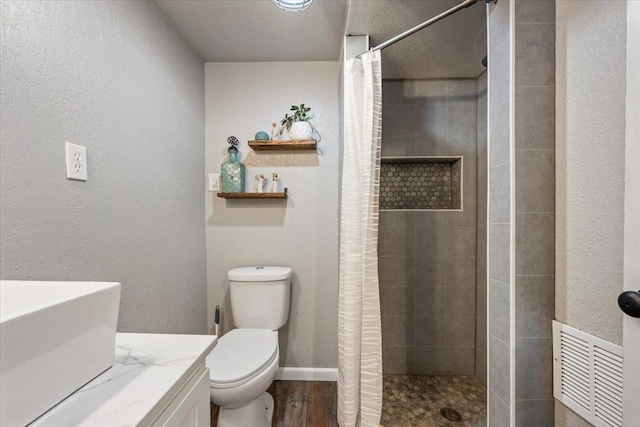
(425, 24)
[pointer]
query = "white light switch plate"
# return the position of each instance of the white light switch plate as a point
(76, 156)
(214, 182)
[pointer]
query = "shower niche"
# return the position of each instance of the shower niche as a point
(421, 183)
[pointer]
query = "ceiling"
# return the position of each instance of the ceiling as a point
(257, 31)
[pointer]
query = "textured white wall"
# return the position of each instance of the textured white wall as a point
(590, 127)
(114, 77)
(302, 232)
(590, 98)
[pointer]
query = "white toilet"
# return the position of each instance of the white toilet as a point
(243, 364)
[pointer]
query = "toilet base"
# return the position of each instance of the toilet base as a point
(257, 413)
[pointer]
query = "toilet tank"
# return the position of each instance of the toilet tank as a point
(260, 296)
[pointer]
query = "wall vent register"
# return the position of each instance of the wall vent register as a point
(587, 375)
(421, 183)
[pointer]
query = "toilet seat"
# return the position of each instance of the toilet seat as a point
(240, 355)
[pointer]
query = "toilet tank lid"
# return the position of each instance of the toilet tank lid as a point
(259, 274)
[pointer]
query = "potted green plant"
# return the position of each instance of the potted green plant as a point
(297, 123)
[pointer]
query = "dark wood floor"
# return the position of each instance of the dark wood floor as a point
(300, 404)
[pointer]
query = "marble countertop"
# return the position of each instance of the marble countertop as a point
(149, 370)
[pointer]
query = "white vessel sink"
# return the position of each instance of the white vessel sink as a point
(54, 338)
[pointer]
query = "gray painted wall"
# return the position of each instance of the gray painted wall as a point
(591, 49)
(114, 77)
(428, 258)
(300, 232)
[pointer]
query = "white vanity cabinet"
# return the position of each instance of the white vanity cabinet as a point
(156, 380)
(190, 408)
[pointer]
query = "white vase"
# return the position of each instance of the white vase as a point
(301, 130)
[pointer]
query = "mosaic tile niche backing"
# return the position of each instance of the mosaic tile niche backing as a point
(421, 184)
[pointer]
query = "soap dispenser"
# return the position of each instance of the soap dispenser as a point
(233, 171)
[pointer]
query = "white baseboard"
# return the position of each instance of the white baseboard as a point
(307, 374)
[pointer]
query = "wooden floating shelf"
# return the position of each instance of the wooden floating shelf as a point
(282, 195)
(291, 144)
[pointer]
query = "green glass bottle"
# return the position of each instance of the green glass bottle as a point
(232, 174)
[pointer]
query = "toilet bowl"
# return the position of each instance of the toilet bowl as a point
(243, 364)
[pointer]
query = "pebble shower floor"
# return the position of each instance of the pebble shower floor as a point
(416, 401)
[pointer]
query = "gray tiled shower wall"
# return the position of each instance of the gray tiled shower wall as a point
(428, 258)
(499, 232)
(521, 289)
(481, 247)
(535, 33)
